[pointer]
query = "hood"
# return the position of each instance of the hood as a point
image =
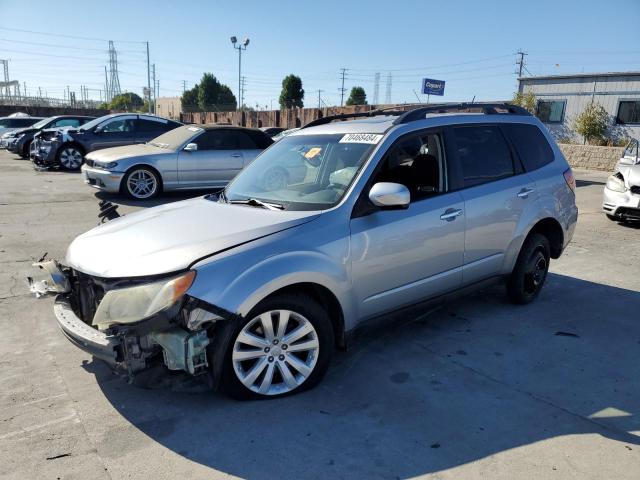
(119, 153)
(631, 174)
(18, 131)
(171, 237)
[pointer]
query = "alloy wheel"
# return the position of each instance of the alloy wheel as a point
(275, 352)
(71, 158)
(142, 184)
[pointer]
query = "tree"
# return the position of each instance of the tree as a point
(128, 101)
(525, 100)
(292, 92)
(357, 96)
(209, 95)
(592, 123)
(190, 98)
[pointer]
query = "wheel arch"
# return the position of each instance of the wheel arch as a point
(550, 228)
(138, 165)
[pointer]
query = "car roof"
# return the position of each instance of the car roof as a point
(214, 126)
(367, 125)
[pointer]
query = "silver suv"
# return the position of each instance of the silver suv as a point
(256, 285)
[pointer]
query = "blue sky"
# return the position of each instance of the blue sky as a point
(469, 44)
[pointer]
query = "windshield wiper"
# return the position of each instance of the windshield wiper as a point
(254, 202)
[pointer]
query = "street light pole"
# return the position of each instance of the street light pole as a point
(242, 46)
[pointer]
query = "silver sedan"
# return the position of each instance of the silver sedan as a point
(188, 157)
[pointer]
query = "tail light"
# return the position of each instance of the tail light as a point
(570, 179)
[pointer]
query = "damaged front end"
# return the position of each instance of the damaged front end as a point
(134, 323)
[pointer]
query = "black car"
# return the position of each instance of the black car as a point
(67, 147)
(272, 131)
(20, 140)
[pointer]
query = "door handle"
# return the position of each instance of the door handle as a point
(236, 155)
(524, 193)
(451, 214)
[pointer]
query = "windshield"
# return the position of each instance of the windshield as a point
(95, 122)
(174, 139)
(43, 122)
(301, 172)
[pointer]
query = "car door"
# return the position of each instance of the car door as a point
(114, 132)
(251, 144)
(496, 190)
(403, 256)
(216, 161)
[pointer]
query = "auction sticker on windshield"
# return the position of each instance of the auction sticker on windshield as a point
(372, 138)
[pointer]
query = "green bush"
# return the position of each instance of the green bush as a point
(592, 124)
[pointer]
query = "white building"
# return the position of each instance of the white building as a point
(561, 98)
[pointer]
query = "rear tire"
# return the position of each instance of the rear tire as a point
(287, 364)
(530, 271)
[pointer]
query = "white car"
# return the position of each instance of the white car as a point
(621, 200)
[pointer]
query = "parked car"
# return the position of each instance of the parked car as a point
(67, 147)
(19, 141)
(272, 131)
(187, 157)
(9, 124)
(284, 133)
(621, 199)
(257, 286)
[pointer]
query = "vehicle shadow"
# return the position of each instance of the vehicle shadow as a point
(166, 197)
(473, 379)
(587, 183)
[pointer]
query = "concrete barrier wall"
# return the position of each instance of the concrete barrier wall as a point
(591, 157)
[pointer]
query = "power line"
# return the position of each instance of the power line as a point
(65, 36)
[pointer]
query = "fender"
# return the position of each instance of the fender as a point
(237, 282)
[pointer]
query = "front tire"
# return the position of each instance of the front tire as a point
(284, 346)
(141, 183)
(70, 157)
(530, 272)
(25, 150)
(613, 218)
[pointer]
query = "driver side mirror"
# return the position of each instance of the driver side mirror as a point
(390, 195)
(98, 129)
(190, 147)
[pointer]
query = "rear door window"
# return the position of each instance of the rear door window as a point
(67, 122)
(483, 154)
(151, 127)
(531, 145)
(217, 140)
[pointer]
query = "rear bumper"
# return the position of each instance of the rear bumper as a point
(98, 344)
(102, 179)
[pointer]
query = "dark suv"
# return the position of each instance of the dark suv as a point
(20, 140)
(67, 147)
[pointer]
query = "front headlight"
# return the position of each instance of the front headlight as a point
(105, 166)
(616, 184)
(128, 305)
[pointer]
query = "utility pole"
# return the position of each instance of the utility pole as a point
(184, 86)
(148, 77)
(319, 99)
(242, 91)
(376, 88)
(153, 80)
(387, 97)
(342, 90)
(520, 62)
(106, 85)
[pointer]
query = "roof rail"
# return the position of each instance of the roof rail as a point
(343, 116)
(486, 108)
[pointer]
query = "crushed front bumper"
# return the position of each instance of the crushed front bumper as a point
(97, 343)
(624, 205)
(102, 179)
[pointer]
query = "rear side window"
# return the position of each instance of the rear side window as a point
(532, 146)
(483, 154)
(217, 140)
(260, 139)
(151, 126)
